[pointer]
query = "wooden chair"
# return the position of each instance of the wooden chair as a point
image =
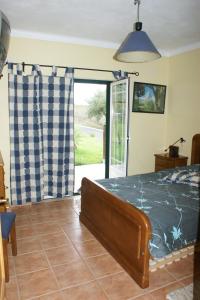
(8, 230)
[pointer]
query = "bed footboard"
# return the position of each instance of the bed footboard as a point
(122, 229)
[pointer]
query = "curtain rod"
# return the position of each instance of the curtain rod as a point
(76, 68)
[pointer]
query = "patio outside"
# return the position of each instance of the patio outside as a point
(92, 171)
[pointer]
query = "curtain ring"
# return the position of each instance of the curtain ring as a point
(54, 71)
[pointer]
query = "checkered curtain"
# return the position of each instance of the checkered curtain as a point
(41, 134)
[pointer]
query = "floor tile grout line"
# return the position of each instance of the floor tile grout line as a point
(52, 271)
(47, 218)
(34, 223)
(108, 275)
(38, 235)
(62, 212)
(88, 266)
(66, 235)
(84, 259)
(47, 294)
(67, 244)
(170, 273)
(157, 288)
(55, 247)
(22, 254)
(102, 254)
(72, 262)
(81, 255)
(18, 290)
(35, 236)
(96, 280)
(138, 296)
(177, 279)
(31, 272)
(76, 241)
(77, 285)
(72, 242)
(66, 263)
(185, 277)
(61, 290)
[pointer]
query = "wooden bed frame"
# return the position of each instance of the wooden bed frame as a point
(122, 229)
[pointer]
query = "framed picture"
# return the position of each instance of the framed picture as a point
(149, 98)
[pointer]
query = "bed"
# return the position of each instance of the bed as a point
(122, 228)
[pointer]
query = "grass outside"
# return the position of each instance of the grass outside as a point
(88, 150)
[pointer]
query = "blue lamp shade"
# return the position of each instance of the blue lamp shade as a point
(137, 47)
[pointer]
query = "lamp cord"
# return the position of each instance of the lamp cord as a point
(181, 141)
(137, 2)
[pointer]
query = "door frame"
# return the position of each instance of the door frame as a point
(107, 83)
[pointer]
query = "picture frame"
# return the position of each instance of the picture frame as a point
(149, 98)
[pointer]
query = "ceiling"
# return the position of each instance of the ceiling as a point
(172, 25)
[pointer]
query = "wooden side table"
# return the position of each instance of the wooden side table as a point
(2, 186)
(3, 201)
(2, 270)
(3, 205)
(163, 161)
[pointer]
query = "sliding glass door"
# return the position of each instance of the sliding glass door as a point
(119, 117)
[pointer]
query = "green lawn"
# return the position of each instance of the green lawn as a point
(88, 150)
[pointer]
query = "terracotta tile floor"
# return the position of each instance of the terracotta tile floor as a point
(58, 258)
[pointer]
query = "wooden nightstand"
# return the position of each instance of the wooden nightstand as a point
(163, 161)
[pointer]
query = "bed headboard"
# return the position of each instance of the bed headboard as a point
(195, 155)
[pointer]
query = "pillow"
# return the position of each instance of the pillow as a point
(185, 177)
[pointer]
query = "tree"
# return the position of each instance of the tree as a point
(97, 107)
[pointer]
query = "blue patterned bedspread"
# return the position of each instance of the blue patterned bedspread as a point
(171, 205)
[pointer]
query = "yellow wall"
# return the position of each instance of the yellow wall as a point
(146, 130)
(183, 117)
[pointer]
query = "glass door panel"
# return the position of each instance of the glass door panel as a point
(119, 109)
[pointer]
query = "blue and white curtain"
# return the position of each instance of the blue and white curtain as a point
(41, 134)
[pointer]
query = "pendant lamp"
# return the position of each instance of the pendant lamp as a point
(137, 46)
